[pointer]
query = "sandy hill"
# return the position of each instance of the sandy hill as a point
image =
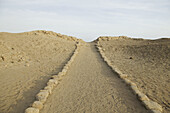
(146, 62)
(27, 61)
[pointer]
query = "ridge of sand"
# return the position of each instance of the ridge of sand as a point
(108, 38)
(146, 62)
(47, 33)
(149, 104)
(91, 86)
(26, 63)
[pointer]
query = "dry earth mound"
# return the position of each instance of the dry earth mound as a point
(51, 33)
(27, 61)
(146, 62)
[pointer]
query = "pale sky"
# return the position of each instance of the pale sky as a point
(88, 19)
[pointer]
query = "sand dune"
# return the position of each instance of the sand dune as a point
(29, 59)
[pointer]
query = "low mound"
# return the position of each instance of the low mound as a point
(51, 33)
(146, 62)
(27, 61)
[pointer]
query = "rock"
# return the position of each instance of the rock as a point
(105, 59)
(134, 88)
(37, 104)
(42, 96)
(55, 77)
(142, 96)
(152, 105)
(109, 63)
(136, 91)
(58, 77)
(52, 82)
(60, 74)
(64, 71)
(32, 110)
(156, 111)
(49, 89)
(132, 84)
(65, 67)
(69, 63)
(117, 71)
(123, 76)
(99, 48)
(76, 52)
(72, 58)
(127, 81)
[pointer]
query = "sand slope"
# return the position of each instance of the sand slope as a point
(27, 60)
(90, 86)
(146, 62)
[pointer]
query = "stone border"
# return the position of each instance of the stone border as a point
(42, 96)
(149, 104)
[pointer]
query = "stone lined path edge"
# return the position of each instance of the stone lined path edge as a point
(149, 104)
(42, 96)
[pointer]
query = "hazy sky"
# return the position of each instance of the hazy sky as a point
(88, 19)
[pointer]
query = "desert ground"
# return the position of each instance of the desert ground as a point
(146, 62)
(28, 60)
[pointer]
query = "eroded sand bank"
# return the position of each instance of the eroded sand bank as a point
(146, 62)
(27, 61)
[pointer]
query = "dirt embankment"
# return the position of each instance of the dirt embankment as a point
(146, 62)
(27, 60)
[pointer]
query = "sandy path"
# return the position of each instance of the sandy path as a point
(91, 86)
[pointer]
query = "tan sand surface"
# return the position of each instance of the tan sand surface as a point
(27, 60)
(90, 86)
(146, 62)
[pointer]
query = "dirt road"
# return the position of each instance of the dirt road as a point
(90, 86)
